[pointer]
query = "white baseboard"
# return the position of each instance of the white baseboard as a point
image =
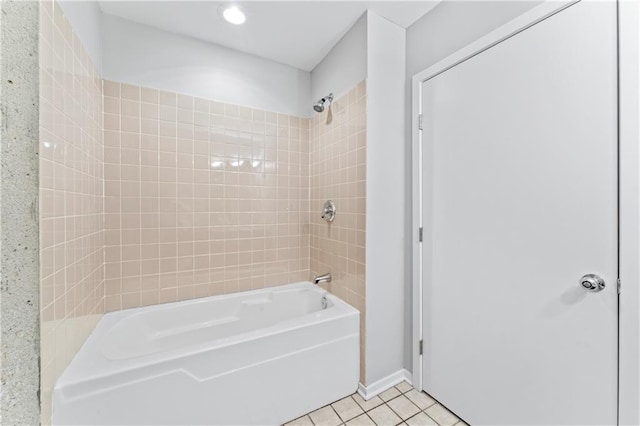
(376, 388)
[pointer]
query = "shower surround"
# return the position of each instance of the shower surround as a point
(149, 197)
(204, 198)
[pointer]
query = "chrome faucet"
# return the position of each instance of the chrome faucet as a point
(324, 278)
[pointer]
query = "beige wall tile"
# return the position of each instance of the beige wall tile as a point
(71, 199)
(206, 208)
(337, 172)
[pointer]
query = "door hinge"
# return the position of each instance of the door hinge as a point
(420, 233)
(421, 347)
(619, 285)
(420, 122)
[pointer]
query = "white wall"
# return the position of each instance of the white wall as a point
(447, 28)
(344, 66)
(385, 267)
(84, 17)
(145, 56)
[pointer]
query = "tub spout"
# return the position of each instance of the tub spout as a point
(324, 278)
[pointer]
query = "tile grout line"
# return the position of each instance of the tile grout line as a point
(334, 410)
(444, 407)
(398, 396)
(424, 411)
(403, 421)
(366, 412)
(394, 412)
(398, 414)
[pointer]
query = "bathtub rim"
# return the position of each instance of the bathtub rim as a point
(90, 363)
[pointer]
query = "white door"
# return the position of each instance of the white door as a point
(519, 202)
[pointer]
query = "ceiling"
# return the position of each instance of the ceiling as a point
(296, 33)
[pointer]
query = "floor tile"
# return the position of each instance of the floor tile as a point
(301, 421)
(404, 387)
(384, 416)
(421, 399)
(347, 408)
(389, 394)
(441, 415)
(421, 419)
(362, 420)
(367, 404)
(403, 407)
(325, 417)
(399, 405)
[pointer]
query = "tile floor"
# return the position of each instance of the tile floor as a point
(400, 405)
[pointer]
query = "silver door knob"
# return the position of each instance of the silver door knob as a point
(592, 282)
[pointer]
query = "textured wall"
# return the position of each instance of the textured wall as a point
(202, 198)
(338, 173)
(19, 340)
(71, 197)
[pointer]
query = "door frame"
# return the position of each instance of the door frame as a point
(629, 212)
(628, 199)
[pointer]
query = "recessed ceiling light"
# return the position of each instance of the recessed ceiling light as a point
(234, 15)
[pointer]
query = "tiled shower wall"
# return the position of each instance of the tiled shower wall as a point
(338, 173)
(201, 197)
(71, 197)
(204, 198)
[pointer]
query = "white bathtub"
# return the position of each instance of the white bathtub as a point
(260, 357)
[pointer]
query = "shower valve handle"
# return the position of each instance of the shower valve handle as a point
(328, 211)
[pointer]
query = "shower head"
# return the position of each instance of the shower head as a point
(319, 106)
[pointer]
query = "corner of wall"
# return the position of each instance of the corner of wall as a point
(337, 165)
(385, 187)
(343, 72)
(71, 197)
(85, 18)
(344, 66)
